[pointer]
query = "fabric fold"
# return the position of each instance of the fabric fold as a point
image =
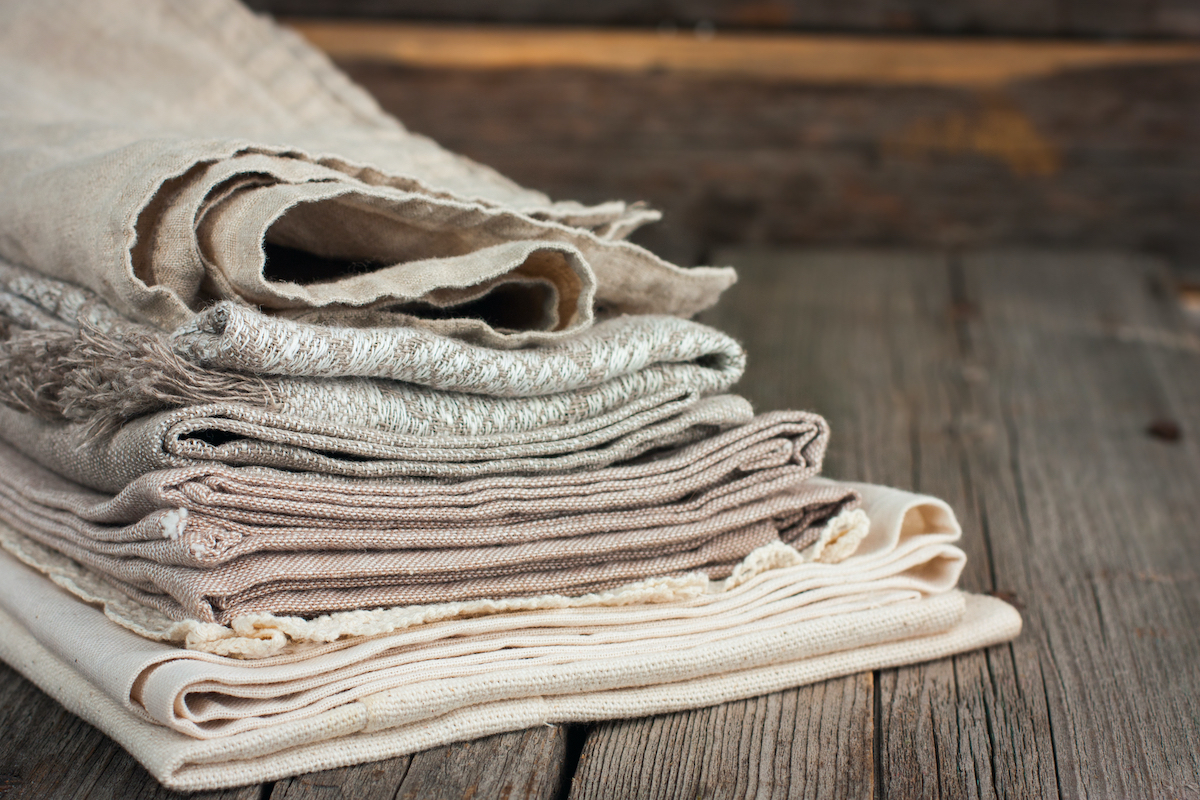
(190, 152)
(905, 531)
(65, 354)
(216, 543)
(239, 435)
(199, 720)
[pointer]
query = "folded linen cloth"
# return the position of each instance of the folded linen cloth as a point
(233, 434)
(213, 543)
(339, 737)
(188, 151)
(907, 530)
(418, 686)
(64, 353)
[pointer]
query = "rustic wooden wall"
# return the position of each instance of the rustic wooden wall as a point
(813, 139)
(1103, 157)
(1156, 18)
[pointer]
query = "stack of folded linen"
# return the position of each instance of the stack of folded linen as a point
(314, 459)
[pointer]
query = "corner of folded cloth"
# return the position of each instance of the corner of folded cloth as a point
(247, 168)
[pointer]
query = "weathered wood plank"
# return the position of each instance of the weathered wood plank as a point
(1084, 353)
(811, 742)
(876, 347)
(375, 781)
(826, 60)
(1019, 17)
(1019, 387)
(1102, 156)
(524, 765)
(47, 752)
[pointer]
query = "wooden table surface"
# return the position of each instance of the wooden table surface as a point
(1054, 400)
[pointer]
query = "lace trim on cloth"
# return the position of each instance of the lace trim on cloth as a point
(263, 635)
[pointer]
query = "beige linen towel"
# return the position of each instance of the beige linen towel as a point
(307, 546)
(439, 668)
(906, 532)
(174, 152)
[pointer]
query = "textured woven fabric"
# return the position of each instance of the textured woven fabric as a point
(339, 737)
(440, 667)
(349, 700)
(187, 151)
(216, 543)
(886, 543)
(64, 353)
(239, 435)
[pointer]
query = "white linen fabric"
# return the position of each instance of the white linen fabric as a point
(473, 673)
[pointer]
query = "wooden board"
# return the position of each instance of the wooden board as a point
(525, 764)
(1129, 18)
(1054, 399)
(826, 60)
(1020, 386)
(812, 742)
(1105, 156)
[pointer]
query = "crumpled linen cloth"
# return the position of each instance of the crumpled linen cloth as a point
(200, 721)
(66, 354)
(171, 153)
(214, 543)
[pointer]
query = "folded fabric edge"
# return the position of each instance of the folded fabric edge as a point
(264, 635)
(175, 760)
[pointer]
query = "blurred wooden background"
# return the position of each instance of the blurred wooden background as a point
(858, 122)
(1124, 18)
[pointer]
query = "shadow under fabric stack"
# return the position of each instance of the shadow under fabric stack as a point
(323, 445)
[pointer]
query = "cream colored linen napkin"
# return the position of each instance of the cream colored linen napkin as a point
(171, 153)
(340, 737)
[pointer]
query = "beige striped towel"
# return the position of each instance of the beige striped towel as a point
(215, 543)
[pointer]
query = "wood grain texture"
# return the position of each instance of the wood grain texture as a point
(524, 765)
(1086, 352)
(47, 752)
(811, 742)
(1164, 18)
(826, 60)
(1019, 386)
(1104, 156)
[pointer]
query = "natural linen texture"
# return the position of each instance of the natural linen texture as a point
(226, 433)
(66, 354)
(199, 721)
(171, 153)
(215, 543)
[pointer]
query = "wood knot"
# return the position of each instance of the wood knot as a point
(1166, 430)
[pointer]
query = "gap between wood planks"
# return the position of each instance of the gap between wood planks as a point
(821, 59)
